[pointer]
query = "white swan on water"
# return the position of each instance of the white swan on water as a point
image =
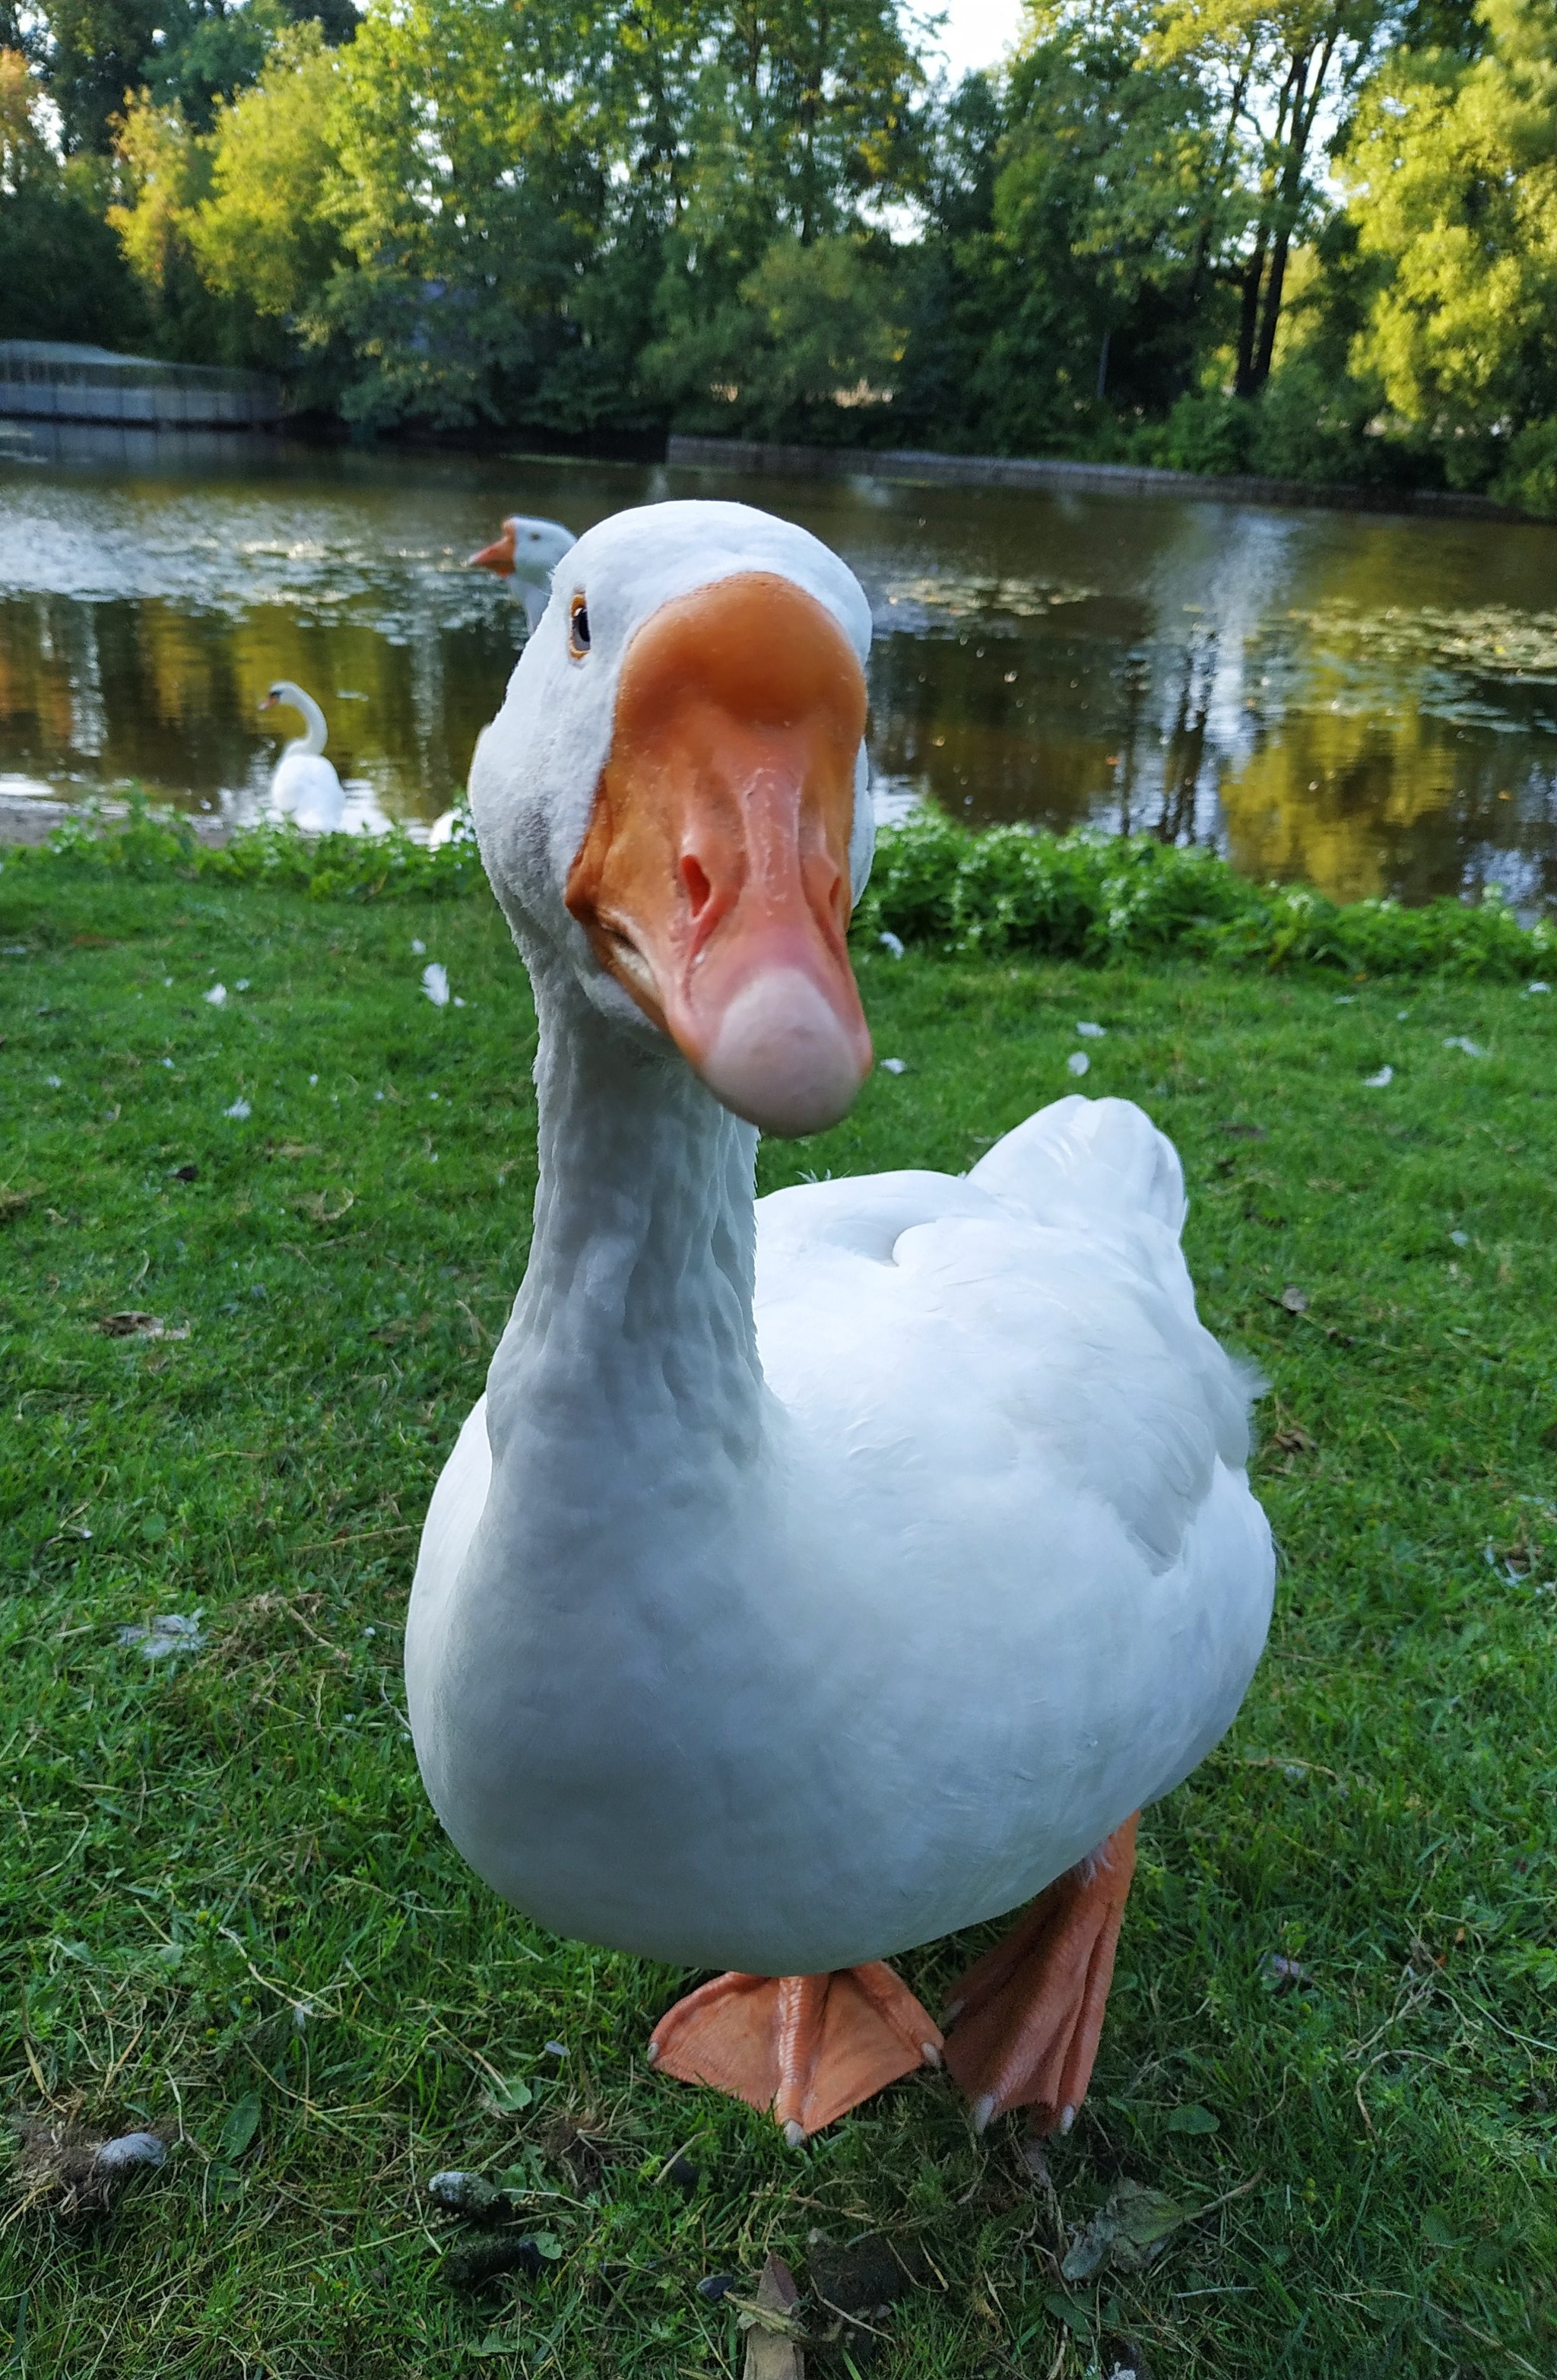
(822, 1574)
(305, 787)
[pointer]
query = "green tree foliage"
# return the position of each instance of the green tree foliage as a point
(229, 231)
(1311, 237)
(262, 233)
(191, 53)
(62, 275)
(1454, 176)
(474, 149)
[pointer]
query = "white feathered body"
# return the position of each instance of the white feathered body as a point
(306, 789)
(782, 1657)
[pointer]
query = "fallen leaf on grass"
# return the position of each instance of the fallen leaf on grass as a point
(132, 1324)
(299, 1148)
(242, 2123)
(1294, 1299)
(1192, 2118)
(1126, 2233)
(510, 2098)
(1071, 2310)
(773, 2332)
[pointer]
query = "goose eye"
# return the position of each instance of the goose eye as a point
(578, 627)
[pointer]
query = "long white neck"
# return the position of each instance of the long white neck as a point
(313, 740)
(628, 1377)
(535, 597)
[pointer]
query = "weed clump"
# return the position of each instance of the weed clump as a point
(936, 887)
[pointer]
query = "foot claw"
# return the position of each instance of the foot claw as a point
(1033, 2009)
(795, 2135)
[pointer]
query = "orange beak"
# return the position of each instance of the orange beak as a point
(713, 882)
(498, 556)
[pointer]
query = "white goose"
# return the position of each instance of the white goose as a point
(527, 551)
(305, 787)
(807, 1583)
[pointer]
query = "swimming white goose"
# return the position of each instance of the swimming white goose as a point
(815, 1581)
(305, 787)
(527, 551)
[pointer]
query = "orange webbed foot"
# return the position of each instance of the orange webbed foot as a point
(808, 2046)
(1029, 2016)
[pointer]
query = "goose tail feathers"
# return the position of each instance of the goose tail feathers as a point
(1103, 1159)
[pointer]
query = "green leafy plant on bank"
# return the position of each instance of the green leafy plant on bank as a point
(1099, 897)
(935, 886)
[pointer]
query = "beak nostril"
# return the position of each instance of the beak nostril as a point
(696, 880)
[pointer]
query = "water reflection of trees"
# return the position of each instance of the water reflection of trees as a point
(1281, 754)
(1267, 682)
(151, 691)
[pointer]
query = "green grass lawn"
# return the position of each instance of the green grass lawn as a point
(227, 1911)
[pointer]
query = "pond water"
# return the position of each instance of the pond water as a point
(1367, 701)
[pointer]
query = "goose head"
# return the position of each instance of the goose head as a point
(527, 552)
(532, 549)
(673, 803)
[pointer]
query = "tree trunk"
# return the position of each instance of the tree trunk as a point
(1203, 238)
(1305, 109)
(1249, 318)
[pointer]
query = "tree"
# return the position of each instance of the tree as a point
(1453, 187)
(472, 187)
(191, 54)
(263, 232)
(1104, 205)
(61, 273)
(814, 333)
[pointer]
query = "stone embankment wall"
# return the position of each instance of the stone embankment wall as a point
(918, 467)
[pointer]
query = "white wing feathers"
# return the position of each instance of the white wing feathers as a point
(1045, 1293)
(1102, 1158)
